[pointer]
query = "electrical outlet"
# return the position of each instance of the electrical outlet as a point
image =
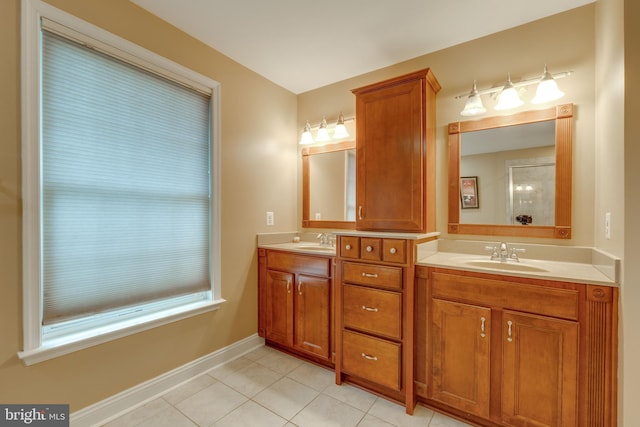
(318, 216)
(270, 219)
(607, 225)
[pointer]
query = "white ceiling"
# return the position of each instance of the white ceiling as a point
(302, 45)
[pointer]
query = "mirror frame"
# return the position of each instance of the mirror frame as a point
(563, 115)
(306, 195)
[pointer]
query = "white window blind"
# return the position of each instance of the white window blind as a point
(125, 184)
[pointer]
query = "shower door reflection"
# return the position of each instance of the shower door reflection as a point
(531, 196)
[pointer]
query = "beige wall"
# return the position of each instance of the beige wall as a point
(630, 349)
(258, 124)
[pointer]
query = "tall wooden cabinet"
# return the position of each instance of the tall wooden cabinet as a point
(395, 153)
(509, 351)
(295, 303)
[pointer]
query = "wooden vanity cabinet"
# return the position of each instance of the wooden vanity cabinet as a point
(295, 303)
(395, 153)
(506, 351)
(374, 315)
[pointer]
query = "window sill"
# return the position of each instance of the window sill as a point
(69, 344)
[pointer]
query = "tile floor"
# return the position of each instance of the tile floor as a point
(268, 388)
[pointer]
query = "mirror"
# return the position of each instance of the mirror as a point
(511, 175)
(329, 186)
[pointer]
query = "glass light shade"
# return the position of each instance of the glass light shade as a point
(474, 103)
(547, 89)
(340, 130)
(509, 97)
(323, 133)
(306, 138)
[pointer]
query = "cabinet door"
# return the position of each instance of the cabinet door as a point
(279, 307)
(389, 193)
(460, 374)
(540, 371)
(313, 315)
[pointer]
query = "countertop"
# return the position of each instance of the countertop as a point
(548, 262)
(532, 268)
(310, 248)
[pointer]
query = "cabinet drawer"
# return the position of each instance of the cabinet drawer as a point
(373, 249)
(350, 247)
(372, 310)
(372, 358)
(373, 275)
(542, 300)
(394, 250)
(370, 249)
(304, 264)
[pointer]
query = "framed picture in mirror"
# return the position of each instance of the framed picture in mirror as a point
(469, 192)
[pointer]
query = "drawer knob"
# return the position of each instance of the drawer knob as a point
(393, 250)
(369, 357)
(369, 248)
(371, 276)
(348, 247)
(374, 309)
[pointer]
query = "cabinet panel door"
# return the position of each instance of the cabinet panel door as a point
(540, 371)
(313, 315)
(279, 307)
(390, 158)
(461, 344)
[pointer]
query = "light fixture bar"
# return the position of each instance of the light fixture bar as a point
(322, 131)
(516, 85)
(331, 122)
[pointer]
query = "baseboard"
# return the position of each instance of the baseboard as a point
(114, 406)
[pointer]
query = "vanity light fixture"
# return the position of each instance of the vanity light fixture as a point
(323, 134)
(547, 89)
(508, 95)
(306, 138)
(474, 103)
(341, 129)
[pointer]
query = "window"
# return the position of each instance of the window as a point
(120, 216)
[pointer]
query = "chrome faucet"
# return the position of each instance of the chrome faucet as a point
(504, 253)
(326, 239)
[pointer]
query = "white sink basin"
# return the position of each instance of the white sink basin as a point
(508, 266)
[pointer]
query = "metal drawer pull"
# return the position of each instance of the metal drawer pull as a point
(509, 323)
(369, 357)
(299, 288)
(373, 276)
(482, 327)
(288, 286)
(348, 247)
(374, 309)
(360, 212)
(393, 250)
(369, 248)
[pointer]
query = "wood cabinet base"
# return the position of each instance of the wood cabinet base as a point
(512, 351)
